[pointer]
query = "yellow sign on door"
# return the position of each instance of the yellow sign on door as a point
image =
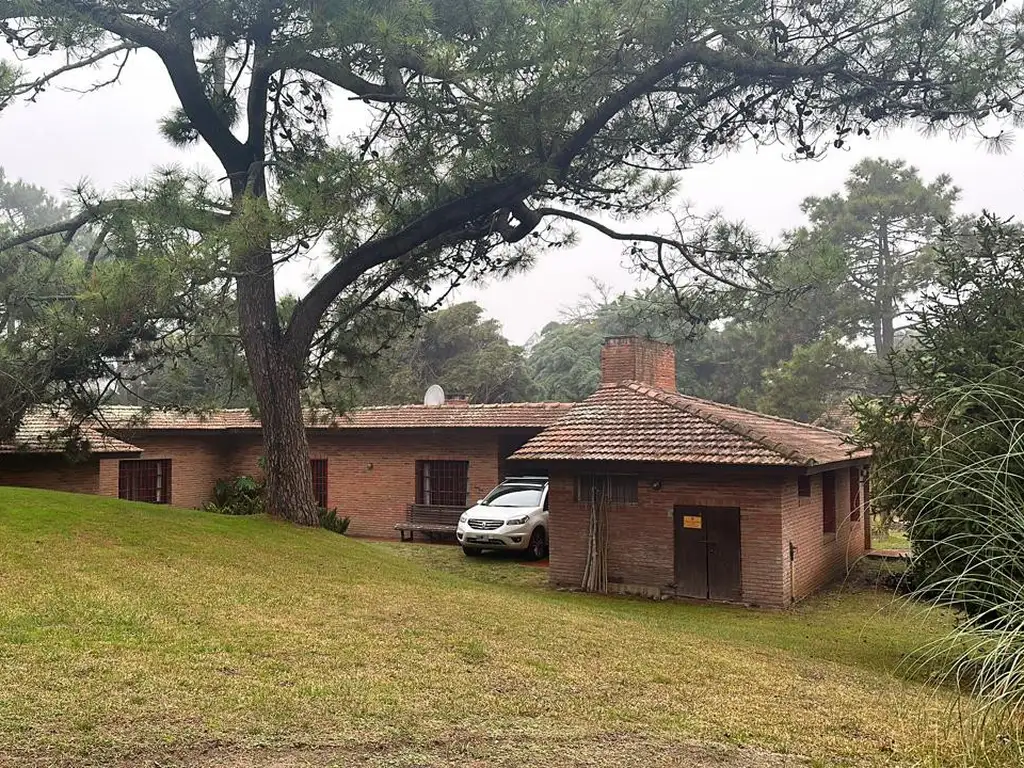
(691, 521)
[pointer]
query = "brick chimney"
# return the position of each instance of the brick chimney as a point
(630, 358)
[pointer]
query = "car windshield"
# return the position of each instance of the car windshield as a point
(513, 496)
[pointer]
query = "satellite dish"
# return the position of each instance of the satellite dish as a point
(434, 396)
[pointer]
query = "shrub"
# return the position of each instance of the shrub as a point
(330, 520)
(949, 454)
(241, 496)
(967, 537)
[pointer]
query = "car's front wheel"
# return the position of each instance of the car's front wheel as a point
(538, 547)
(472, 551)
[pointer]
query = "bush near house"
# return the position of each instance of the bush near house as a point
(245, 496)
(330, 520)
(241, 496)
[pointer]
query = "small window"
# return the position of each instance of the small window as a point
(442, 483)
(803, 486)
(148, 481)
(828, 502)
(612, 489)
(855, 493)
(319, 467)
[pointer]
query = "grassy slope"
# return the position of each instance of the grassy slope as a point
(128, 629)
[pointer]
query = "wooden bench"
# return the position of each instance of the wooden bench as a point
(431, 520)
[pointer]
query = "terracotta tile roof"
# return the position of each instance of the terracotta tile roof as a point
(464, 415)
(508, 415)
(130, 417)
(48, 433)
(638, 423)
(840, 417)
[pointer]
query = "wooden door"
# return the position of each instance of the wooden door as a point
(691, 553)
(707, 553)
(723, 535)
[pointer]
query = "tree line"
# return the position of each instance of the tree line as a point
(843, 286)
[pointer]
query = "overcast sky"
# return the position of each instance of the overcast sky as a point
(111, 137)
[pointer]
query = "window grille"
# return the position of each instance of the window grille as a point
(609, 489)
(141, 480)
(442, 483)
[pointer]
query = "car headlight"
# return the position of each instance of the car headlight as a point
(464, 518)
(518, 520)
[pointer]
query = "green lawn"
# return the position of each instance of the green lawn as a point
(138, 634)
(889, 538)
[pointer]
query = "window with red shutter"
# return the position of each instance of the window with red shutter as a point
(803, 486)
(854, 493)
(319, 469)
(828, 502)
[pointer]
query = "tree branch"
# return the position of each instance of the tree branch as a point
(676, 245)
(37, 84)
(747, 67)
(334, 72)
(180, 62)
(256, 103)
(442, 219)
(197, 221)
(65, 228)
(516, 188)
(110, 20)
(97, 244)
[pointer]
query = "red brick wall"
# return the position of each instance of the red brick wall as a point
(197, 462)
(109, 477)
(371, 475)
(51, 473)
(820, 557)
(633, 359)
(641, 550)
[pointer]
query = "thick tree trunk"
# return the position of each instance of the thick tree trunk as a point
(276, 382)
(276, 373)
(275, 369)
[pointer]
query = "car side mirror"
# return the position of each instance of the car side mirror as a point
(479, 501)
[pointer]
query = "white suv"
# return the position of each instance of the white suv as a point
(512, 516)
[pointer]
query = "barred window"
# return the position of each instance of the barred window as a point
(442, 483)
(854, 493)
(610, 489)
(319, 467)
(149, 481)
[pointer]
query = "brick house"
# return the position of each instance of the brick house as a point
(40, 457)
(371, 464)
(700, 500)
